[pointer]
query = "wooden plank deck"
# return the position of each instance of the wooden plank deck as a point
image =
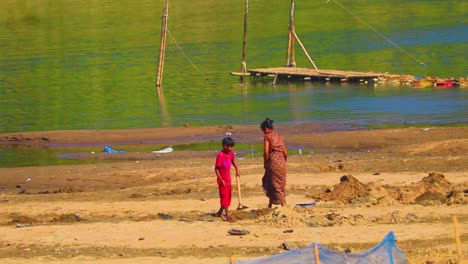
(294, 73)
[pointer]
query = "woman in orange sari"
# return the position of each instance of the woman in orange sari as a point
(274, 162)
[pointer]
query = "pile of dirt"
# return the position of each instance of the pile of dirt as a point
(23, 219)
(291, 217)
(397, 217)
(458, 195)
(348, 190)
(286, 217)
(53, 218)
(380, 196)
(433, 189)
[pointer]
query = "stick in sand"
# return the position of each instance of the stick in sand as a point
(457, 239)
(239, 196)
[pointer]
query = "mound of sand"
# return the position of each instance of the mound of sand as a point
(433, 189)
(348, 190)
(291, 217)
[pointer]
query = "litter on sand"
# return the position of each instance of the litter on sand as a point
(162, 151)
(238, 232)
(306, 204)
(110, 150)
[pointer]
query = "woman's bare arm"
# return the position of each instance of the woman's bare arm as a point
(266, 151)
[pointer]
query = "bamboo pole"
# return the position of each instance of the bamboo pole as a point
(289, 49)
(165, 117)
(244, 42)
(291, 60)
(304, 49)
(457, 240)
(275, 79)
(162, 48)
(316, 254)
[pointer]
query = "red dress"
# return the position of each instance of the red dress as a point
(274, 180)
(223, 164)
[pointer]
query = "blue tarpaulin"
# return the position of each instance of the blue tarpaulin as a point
(386, 252)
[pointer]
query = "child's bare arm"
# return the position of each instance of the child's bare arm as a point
(235, 167)
(237, 171)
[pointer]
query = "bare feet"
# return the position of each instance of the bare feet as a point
(228, 219)
(220, 212)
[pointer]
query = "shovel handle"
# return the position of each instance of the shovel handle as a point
(239, 190)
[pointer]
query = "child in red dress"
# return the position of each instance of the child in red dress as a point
(224, 160)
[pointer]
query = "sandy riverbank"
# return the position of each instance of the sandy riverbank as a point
(157, 209)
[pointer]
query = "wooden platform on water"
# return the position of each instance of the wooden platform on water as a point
(306, 74)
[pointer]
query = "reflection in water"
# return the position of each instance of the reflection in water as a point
(295, 103)
(165, 118)
(244, 89)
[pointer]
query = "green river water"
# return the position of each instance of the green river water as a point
(68, 64)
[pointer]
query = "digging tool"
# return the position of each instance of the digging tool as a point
(239, 196)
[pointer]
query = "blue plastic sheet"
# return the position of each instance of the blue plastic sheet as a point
(386, 252)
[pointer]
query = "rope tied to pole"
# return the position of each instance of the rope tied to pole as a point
(378, 33)
(185, 55)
